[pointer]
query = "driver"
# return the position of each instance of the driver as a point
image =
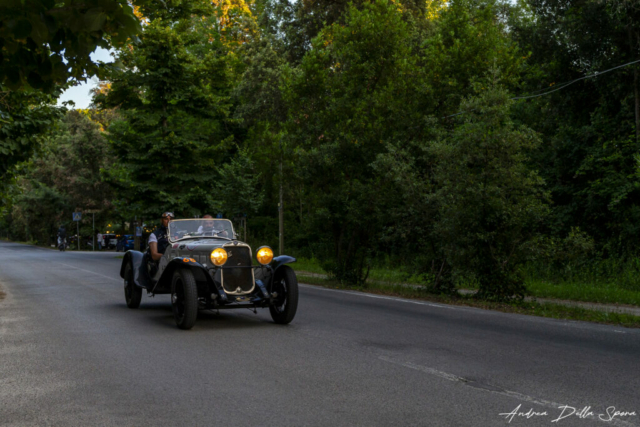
(207, 228)
(207, 225)
(158, 241)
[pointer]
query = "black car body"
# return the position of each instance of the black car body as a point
(191, 271)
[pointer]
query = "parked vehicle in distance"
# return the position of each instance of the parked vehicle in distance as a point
(124, 243)
(205, 267)
(110, 241)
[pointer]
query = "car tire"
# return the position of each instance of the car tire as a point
(132, 293)
(285, 305)
(184, 298)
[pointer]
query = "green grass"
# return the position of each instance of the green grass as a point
(555, 311)
(378, 274)
(311, 265)
(587, 287)
(604, 292)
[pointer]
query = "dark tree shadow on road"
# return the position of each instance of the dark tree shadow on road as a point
(160, 313)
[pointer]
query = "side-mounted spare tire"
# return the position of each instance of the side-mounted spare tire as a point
(285, 305)
(132, 293)
(184, 298)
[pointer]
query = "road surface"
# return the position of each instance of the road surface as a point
(73, 354)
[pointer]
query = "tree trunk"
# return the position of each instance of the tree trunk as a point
(137, 241)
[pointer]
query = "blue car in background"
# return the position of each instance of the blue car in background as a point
(125, 243)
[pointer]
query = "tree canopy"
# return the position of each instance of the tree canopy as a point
(463, 142)
(46, 43)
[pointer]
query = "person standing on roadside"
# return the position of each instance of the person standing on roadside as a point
(99, 241)
(62, 237)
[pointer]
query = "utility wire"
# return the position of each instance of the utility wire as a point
(562, 86)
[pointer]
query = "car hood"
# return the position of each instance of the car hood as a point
(201, 245)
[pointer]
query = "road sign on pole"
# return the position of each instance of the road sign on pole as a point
(77, 216)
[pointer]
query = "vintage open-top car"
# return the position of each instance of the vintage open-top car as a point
(205, 267)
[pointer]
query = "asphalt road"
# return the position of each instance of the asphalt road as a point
(73, 354)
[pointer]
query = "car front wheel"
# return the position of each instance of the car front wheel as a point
(184, 298)
(132, 293)
(285, 305)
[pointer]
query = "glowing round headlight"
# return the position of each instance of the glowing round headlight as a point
(264, 255)
(219, 256)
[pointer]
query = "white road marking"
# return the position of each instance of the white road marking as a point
(92, 272)
(362, 294)
(500, 391)
(425, 369)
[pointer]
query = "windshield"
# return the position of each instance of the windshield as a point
(207, 227)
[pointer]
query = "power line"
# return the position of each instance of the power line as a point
(561, 85)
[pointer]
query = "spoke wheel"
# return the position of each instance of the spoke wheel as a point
(184, 298)
(132, 293)
(285, 305)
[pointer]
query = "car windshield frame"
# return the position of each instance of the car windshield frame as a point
(185, 229)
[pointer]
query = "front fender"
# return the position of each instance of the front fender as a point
(200, 273)
(277, 263)
(281, 260)
(136, 260)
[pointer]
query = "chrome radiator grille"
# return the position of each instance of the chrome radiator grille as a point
(237, 280)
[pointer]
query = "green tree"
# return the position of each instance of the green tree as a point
(173, 97)
(358, 88)
(63, 178)
(490, 203)
(589, 127)
(24, 121)
(468, 40)
(240, 192)
(45, 43)
(296, 23)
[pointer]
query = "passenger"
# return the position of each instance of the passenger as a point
(158, 244)
(158, 241)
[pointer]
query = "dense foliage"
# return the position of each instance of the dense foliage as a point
(44, 43)
(428, 136)
(64, 177)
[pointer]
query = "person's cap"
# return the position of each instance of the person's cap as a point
(168, 215)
